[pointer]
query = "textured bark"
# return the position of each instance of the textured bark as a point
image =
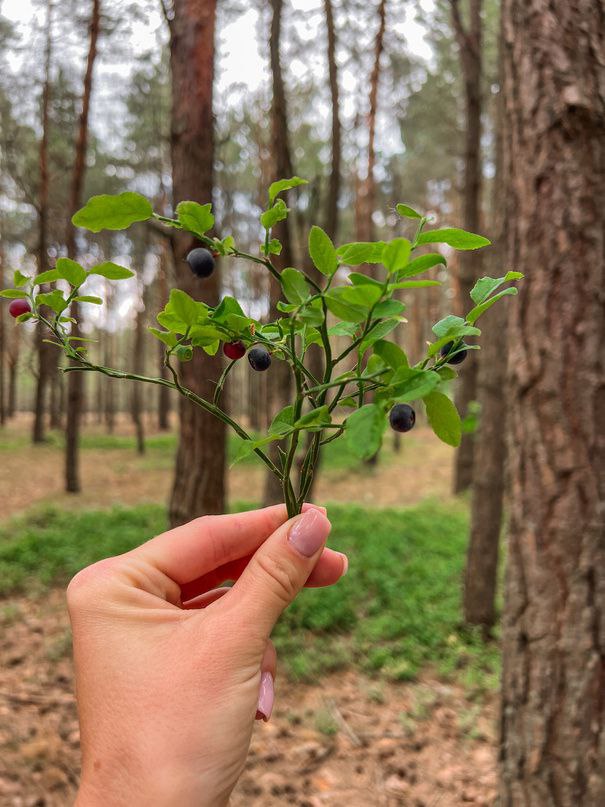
(553, 733)
(279, 383)
(335, 173)
(162, 294)
(199, 481)
(42, 347)
(138, 357)
(75, 380)
(469, 38)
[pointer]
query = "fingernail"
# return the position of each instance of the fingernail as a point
(309, 533)
(345, 564)
(265, 697)
(309, 506)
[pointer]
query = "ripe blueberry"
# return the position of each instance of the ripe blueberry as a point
(459, 357)
(201, 262)
(234, 350)
(18, 307)
(402, 418)
(259, 358)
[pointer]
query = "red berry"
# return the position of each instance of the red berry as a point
(234, 350)
(18, 307)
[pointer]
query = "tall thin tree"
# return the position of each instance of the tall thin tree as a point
(553, 709)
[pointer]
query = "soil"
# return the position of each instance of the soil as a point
(351, 741)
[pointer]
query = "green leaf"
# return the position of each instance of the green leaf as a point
(358, 279)
(195, 218)
(421, 264)
(183, 353)
(204, 335)
(71, 271)
(448, 325)
(53, 299)
(312, 314)
(19, 279)
(486, 285)
(476, 312)
(13, 294)
(391, 353)
(389, 308)
(87, 298)
(227, 307)
(358, 252)
(408, 384)
(414, 284)
(379, 332)
(343, 309)
(274, 247)
(283, 422)
(407, 212)
(295, 286)
(211, 349)
(447, 374)
(396, 254)
(24, 317)
(315, 419)
(278, 212)
(284, 185)
(184, 306)
(322, 251)
(343, 329)
(458, 239)
(449, 329)
(50, 276)
(112, 212)
(166, 337)
(112, 271)
(364, 429)
(444, 418)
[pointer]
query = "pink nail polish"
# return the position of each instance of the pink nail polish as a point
(309, 532)
(345, 564)
(265, 697)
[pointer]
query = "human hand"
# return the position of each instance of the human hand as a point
(169, 668)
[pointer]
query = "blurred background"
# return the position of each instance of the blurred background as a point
(389, 687)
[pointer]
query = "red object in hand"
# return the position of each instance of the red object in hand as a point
(234, 350)
(18, 307)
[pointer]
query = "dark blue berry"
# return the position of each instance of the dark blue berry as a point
(458, 358)
(259, 358)
(402, 418)
(200, 262)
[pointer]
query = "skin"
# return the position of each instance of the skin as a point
(168, 663)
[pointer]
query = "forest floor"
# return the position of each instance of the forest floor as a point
(361, 737)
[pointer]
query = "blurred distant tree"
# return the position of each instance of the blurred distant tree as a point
(553, 716)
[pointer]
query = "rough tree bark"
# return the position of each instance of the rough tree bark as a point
(279, 383)
(199, 481)
(553, 710)
(75, 380)
(162, 295)
(469, 38)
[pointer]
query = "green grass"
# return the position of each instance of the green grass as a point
(397, 610)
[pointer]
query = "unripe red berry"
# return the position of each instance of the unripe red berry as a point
(234, 350)
(18, 307)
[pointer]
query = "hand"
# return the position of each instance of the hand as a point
(172, 671)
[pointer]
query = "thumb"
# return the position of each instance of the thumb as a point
(278, 570)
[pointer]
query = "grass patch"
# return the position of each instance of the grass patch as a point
(396, 611)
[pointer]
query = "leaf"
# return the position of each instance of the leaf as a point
(13, 294)
(184, 306)
(486, 285)
(381, 330)
(391, 353)
(389, 308)
(166, 337)
(447, 325)
(195, 218)
(449, 329)
(227, 306)
(278, 212)
(274, 247)
(283, 422)
(183, 353)
(476, 312)
(71, 271)
(295, 286)
(107, 212)
(50, 276)
(358, 279)
(322, 251)
(343, 329)
(358, 252)
(408, 384)
(312, 314)
(87, 298)
(24, 317)
(53, 299)
(364, 429)
(414, 284)
(112, 271)
(447, 373)
(407, 212)
(19, 279)
(396, 254)
(315, 419)
(284, 185)
(421, 264)
(340, 307)
(444, 418)
(458, 239)
(204, 335)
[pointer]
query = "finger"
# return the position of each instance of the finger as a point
(330, 567)
(278, 570)
(205, 599)
(206, 543)
(266, 692)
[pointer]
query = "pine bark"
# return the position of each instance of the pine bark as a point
(138, 355)
(199, 481)
(75, 380)
(469, 38)
(553, 710)
(162, 294)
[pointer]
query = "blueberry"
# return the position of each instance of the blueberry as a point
(201, 262)
(402, 418)
(459, 357)
(18, 307)
(234, 350)
(259, 358)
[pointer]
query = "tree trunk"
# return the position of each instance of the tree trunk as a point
(199, 482)
(3, 344)
(279, 383)
(56, 382)
(42, 347)
(162, 289)
(13, 364)
(75, 380)
(470, 46)
(138, 354)
(553, 711)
